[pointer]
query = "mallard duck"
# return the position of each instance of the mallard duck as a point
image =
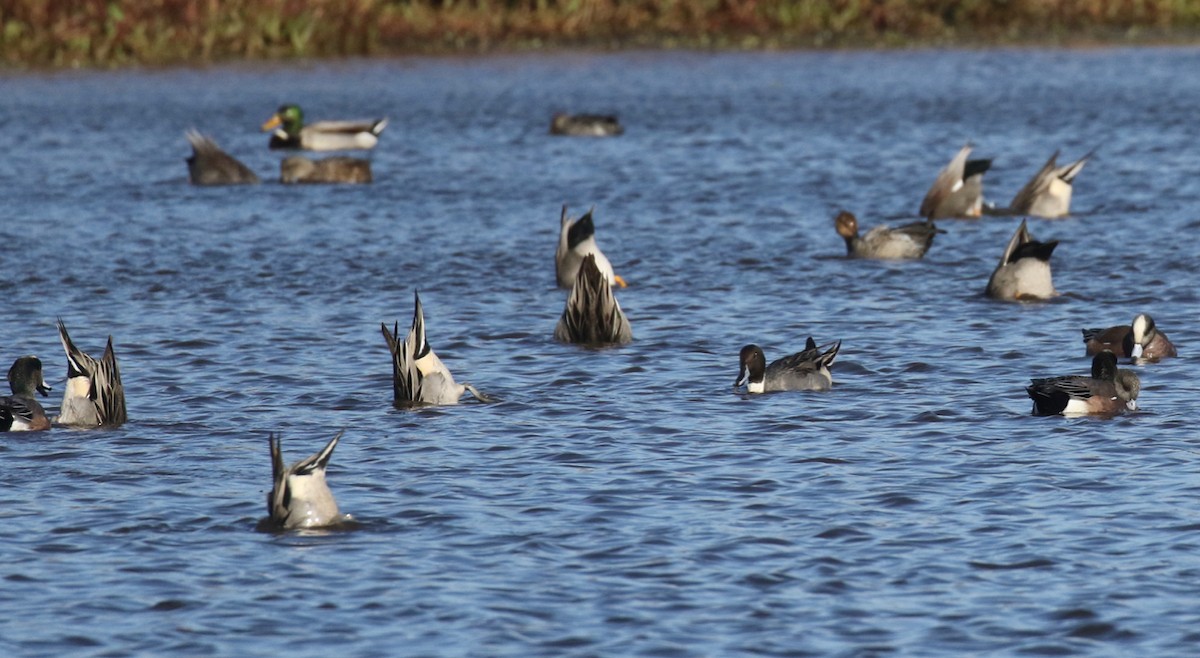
(576, 239)
(592, 315)
(290, 132)
(300, 497)
(94, 395)
(1108, 391)
(21, 411)
(958, 189)
(1048, 193)
(337, 169)
(802, 371)
(906, 242)
(1139, 340)
(1024, 269)
(418, 375)
(585, 125)
(209, 165)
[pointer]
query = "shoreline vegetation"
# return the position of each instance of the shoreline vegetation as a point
(112, 33)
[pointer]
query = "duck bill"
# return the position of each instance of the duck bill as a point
(44, 389)
(743, 375)
(619, 281)
(272, 123)
(1132, 405)
(1136, 352)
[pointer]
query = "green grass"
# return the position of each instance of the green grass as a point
(37, 33)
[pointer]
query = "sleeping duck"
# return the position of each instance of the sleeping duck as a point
(337, 169)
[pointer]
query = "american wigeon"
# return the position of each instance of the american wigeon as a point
(209, 165)
(1048, 193)
(592, 315)
(1109, 390)
(21, 411)
(1024, 269)
(418, 376)
(337, 169)
(1139, 340)
(93, 395)
(585, 125)
(288, 131)
(802, 371)
(906, 242)
(576, 239)
(300, 497)
(958, 189)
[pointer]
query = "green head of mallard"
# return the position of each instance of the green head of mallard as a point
(288, 116)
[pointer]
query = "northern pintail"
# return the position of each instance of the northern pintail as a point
(418, 375)
(300, 497)
(585, 125)
(802, 371)
(290, 132)
(958, 189)
(209, 165)
(337, 169)
(21, 411)
(1108, 391)
(1048, 193)
(576, 239)
(906, 242)
(1139, 340)
(93, 395)
(1024, 269)
(592, 315)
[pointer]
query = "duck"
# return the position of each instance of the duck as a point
(576, 239)
(1140, 340)
(288, 131)
(21, 412)
(585, 125)
(418, 376)
(209, 165)
(958, 189)
(802, 371)
(1109, 390)
(1023, 273)
(94, 395)
(337, 169)
(592, 315)
(300, 496)
(1048, 193)
(907, 242)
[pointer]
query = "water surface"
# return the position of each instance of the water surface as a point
(621, 502)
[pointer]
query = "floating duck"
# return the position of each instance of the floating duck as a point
(290, 132)
(802, 371)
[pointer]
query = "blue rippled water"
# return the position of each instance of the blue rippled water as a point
(620, 502)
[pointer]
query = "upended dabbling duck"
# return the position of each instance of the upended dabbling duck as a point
(209, 165)
(1023, 272)
(418, 375)
(300, 496)
(958, 189)
(592, 315)
(1048, 193)
(94, 395)
(577, 239)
